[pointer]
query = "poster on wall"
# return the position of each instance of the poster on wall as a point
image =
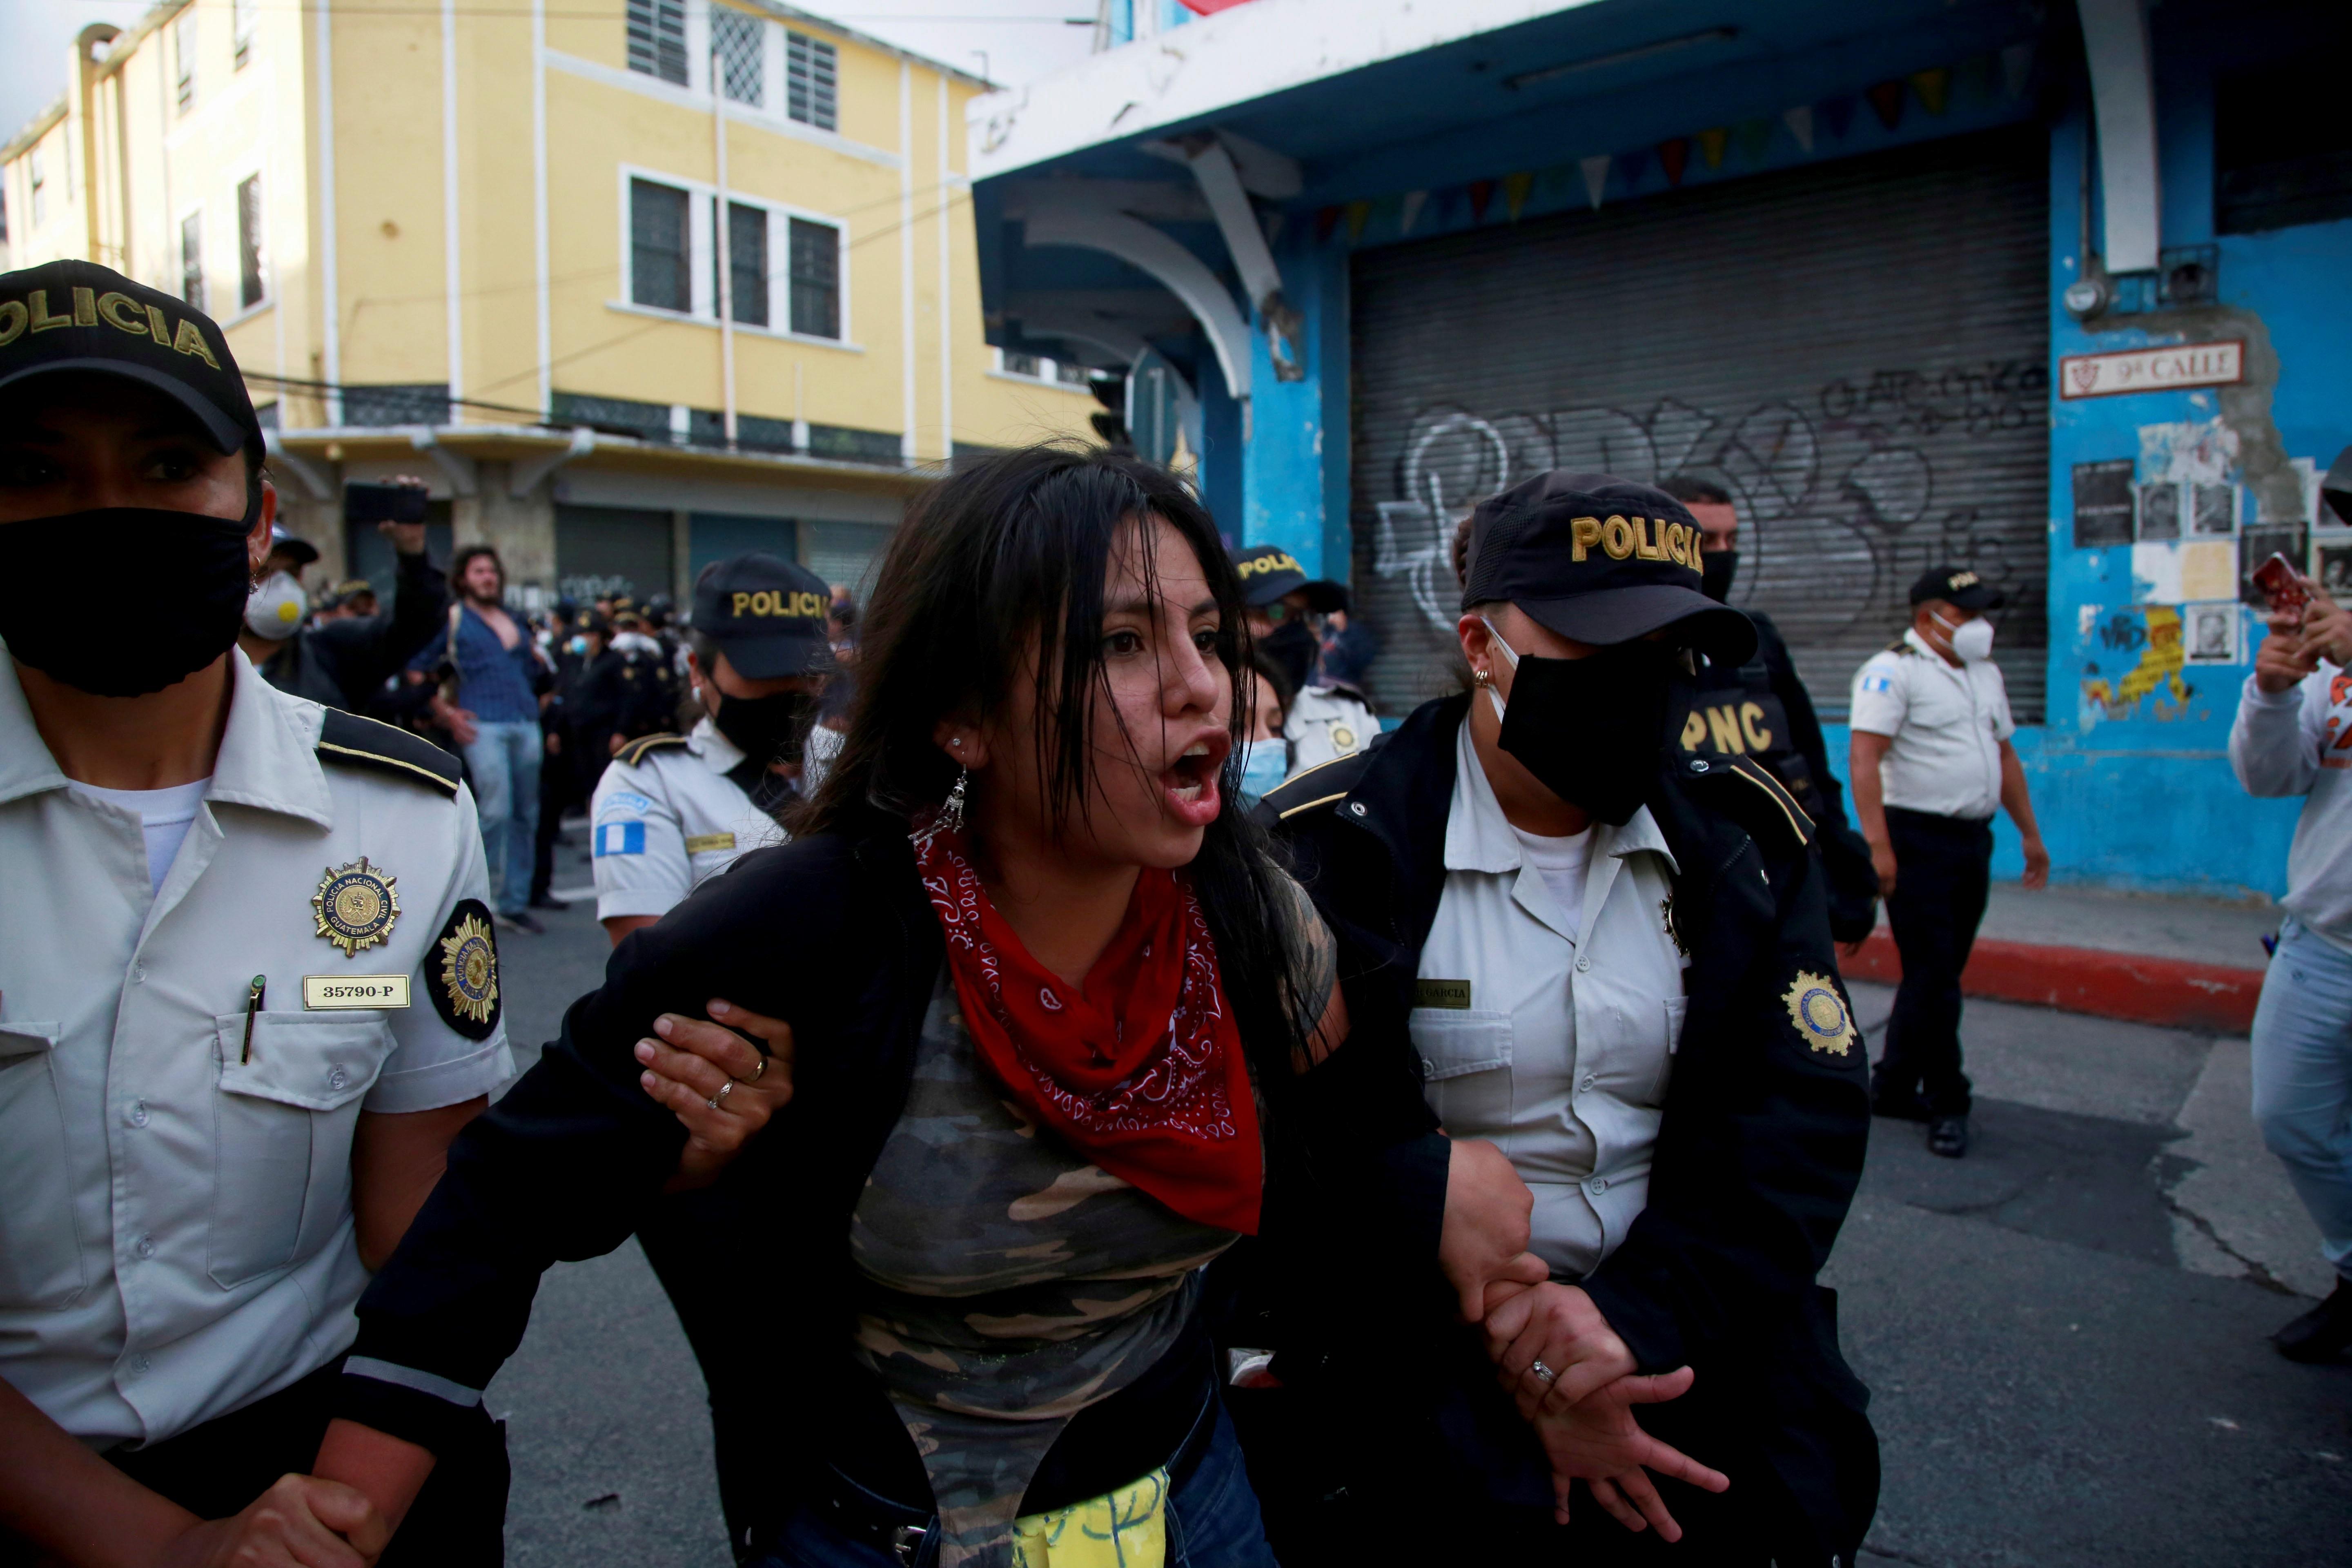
(2331, 563)
(2213, 511)
(2103, 503)
(2159, 510)
(2211, 633)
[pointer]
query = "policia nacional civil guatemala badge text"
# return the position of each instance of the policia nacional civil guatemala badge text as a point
(355, 906)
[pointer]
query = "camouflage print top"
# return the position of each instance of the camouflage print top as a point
(1004, 1283)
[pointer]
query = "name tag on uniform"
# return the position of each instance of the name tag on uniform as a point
(325, 993)
(698, 843)
(1455, 993)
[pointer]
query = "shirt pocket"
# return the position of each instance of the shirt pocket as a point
(1465, 1058)
(282, 1136)
(40, 1250)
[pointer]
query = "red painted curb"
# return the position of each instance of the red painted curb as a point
(2131, 986)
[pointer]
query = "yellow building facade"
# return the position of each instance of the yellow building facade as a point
(633, 284)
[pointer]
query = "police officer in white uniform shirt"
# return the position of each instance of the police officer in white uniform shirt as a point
(248, 986)
(1616, 964)
(1323, 721)
(672, 810)
(1931, 760)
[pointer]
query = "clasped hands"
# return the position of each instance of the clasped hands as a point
(1583, 1414)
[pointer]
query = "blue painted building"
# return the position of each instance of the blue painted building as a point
(2057, 292)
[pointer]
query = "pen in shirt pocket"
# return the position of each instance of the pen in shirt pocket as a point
(253, 995)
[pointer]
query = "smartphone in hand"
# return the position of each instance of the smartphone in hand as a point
(364, 502)
(2288, 590)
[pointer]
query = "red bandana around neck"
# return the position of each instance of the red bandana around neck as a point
(1141, 1070)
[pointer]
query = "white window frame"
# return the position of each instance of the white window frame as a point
(783, 102)
(1045, 376)
(701, 254)
(204, 255)
(769, 57)
(36, 182)
(268, 265)
(245, 20)
(184, 50)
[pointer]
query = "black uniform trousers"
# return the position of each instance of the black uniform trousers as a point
(1943, 874)
(215, 1469)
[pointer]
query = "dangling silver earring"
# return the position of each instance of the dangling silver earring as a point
(951, 812)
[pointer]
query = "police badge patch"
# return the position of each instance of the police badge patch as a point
(462, 971)
(1820, 1015)
(355, 906)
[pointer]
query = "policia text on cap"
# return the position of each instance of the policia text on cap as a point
(174, 966)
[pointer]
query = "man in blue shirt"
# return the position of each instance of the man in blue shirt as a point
(495, 721)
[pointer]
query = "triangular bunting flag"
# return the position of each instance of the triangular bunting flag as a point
(1800, 122)
(1385, 208)
(1674, 156)
(2016, 67)
(1411, 209)
(1753, 137)
(1481, 193)
(1837, 114)
(1635, 163)
(1514, 193)
(1554, 183)
(1712, 144)
(1596, 177)
(1358, 213)
(1972, 79)
(1931, 86)
(1326, 220)
(1886, 100)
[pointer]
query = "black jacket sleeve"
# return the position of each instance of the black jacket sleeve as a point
(1852, 888)
(1762, 1145)
(565, 1164)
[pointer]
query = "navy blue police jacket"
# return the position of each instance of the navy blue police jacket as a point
(1764, 1122)
(833, 933)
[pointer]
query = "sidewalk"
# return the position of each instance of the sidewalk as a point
(2189, 964)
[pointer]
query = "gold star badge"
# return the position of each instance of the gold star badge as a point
(1820, 1015)
(355, 906)
(469, 969)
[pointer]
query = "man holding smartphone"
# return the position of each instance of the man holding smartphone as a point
(2285, 742)
(342, 662)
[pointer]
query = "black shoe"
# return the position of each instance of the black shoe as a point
(548, 902)
(1899, 1105)
(522, 920)
(2321, 1334)
(1948, 1136)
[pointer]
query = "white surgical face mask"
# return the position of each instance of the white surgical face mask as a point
(1971, 640)
(1510, 659)
(274, 610)
(1264, 764)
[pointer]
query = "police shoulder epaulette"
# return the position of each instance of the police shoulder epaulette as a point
(644, 746)
(1318, 785)
(1761, 802)
(351, 742)
(1902, 646)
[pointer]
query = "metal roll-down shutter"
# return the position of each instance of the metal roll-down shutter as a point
(1857, 351)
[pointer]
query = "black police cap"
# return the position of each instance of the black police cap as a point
(1269, 573)
(66, 316)
(1600, 560)
(1958, 586)
(767, 615)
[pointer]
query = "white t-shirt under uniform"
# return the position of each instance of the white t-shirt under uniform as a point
(1549, 1004)
(1947, 723)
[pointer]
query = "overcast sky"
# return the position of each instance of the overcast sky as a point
(1022, 39)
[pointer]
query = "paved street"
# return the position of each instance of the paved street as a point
(2063, 1333)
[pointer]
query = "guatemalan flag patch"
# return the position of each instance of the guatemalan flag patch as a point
(620, 838)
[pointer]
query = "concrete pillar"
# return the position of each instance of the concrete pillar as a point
(520, 529)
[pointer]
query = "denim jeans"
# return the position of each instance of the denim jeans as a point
(2303, 1078)
(1212, 1522)
(503, 761)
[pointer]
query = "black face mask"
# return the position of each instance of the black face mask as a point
(199, 563)
(1715, 570)
(1591, 729)
(766, 730)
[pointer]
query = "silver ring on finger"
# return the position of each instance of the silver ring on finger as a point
(1543, 1372)
(724, 1091)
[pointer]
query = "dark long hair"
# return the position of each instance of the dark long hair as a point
(1015, 548)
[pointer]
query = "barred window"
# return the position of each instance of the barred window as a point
(815, 279)
(242, 14)
(191, 259)
(1070, 375)
(249, 242)
(657, 247)
(183, 59)
(737, 40)
(1020, 365)
(657, 39)
(37, 182)
(747, 263)
(811, 66)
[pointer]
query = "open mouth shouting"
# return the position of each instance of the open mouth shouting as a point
(1189, 783)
